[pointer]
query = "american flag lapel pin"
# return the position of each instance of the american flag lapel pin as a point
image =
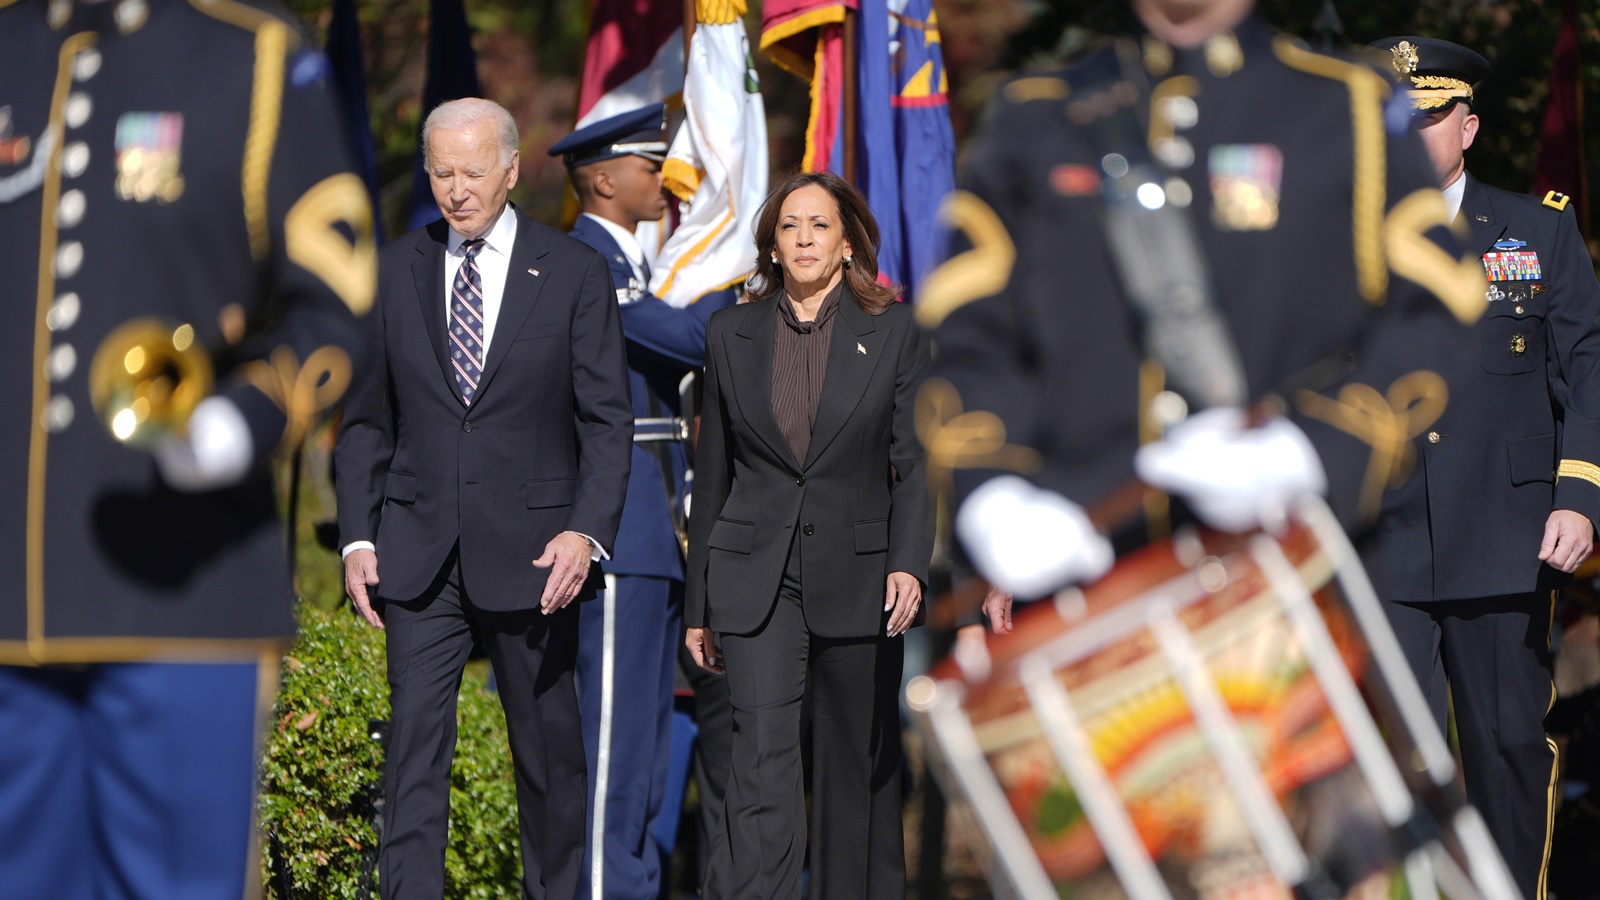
(860, 349)
(533, 272)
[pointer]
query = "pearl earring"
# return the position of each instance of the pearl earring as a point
(774, 259)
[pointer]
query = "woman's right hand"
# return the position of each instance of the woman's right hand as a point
(702, 644)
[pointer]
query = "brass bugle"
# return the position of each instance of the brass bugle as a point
(146, 378)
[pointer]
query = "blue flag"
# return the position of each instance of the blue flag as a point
(905, 150)
(452, 74)
(350, 83)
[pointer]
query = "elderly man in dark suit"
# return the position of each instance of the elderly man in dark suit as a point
(484, 460)
(1468, 554)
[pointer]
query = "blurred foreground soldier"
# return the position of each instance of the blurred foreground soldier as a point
(179, 162)
(628, 641)
(482, 466)
(1311, 225)
(1469, 553)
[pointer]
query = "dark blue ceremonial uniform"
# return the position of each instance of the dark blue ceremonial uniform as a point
(628, 642)
(177, 160)
(629, 639)
(1456, 552)
(1325, 241)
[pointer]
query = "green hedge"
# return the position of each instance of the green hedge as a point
(321, 771)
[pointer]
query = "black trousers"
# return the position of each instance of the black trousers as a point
(1490, 657)
(857, 842)
(533, 656)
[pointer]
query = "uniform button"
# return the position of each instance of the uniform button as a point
(63, 313)
(131, 15)
(808, 530)
(1519, 310)
(801, 481)
(1433, 437)
(78, 109)
(57, 414)
(75, 159)
(61, 362)
(70, 211)
(68, 259)
(86, 65)
(467, 427)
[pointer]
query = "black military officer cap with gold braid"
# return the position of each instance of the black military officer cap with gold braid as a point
(1440, 73)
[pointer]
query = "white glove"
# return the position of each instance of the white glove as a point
(1028, 541)
(216, 452)
(1234, 477)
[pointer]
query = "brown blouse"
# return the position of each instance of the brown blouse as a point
(799, 364)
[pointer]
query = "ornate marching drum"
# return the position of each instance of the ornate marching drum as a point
(1219, 716)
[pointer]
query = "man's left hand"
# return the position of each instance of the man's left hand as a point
(567, 558)
(1568, 539)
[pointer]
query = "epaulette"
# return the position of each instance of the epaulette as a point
(1556, 200)
(1036, 87)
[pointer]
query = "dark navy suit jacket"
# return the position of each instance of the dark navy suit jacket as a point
(543, 449)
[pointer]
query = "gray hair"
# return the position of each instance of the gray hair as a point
(456, 115)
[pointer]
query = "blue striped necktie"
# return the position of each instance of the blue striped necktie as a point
(466, 322)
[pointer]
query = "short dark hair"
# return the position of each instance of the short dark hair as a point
(860, 229)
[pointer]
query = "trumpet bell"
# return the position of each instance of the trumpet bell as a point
(146, 378)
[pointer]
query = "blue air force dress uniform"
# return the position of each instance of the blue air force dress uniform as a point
(1456, 551)
(177, 160)
(629, 641)
(1327, 246)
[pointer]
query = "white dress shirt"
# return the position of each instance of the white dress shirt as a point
(1453, 195)
(494, 261)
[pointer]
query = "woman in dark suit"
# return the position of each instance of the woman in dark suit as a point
(808, 548)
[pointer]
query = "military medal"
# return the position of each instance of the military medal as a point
(1244, 186)
(1512, 265)
(148, 146)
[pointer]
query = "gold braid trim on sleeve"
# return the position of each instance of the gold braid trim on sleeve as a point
(348, 267)
(1577, 468)
(301, 392)
(979, 272)
(1386, 423)
(1458, 283)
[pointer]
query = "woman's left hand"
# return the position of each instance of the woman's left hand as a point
(904, 595)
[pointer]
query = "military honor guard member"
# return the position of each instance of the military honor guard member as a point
(177, 221)
(482, 467)
(1312, 228)
(1507, 492)
(629, 638)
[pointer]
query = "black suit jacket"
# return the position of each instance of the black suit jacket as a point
(545, 447)
(1525, 407)
(860, 501)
